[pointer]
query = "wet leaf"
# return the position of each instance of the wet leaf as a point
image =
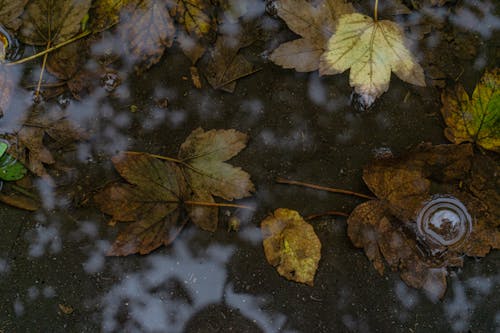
(388, 230)
(151, 200)
(29, 144)
(104, 14)
(194, 16)
(291, 245)
(316, 24)
(16, 195)
(65, 62)
(226, 65)
(52, 21)
(163, 193)
(475, 119)
(371, 49)
(10, 10)
(147, 30)
(208, 174)
(6, 89)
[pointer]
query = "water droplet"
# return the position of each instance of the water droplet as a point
(444, 222)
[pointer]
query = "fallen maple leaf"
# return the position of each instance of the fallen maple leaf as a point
(28, 144)
(291, 245)
(225, 64)
(371, 49)
(105, 13)
(316, 24)
(52, 21)
(192, 14)
(147, 30)
(163, 193)
(151, 200)
(208, 175)
(197, 25)
(6, 89)
(389, 228)
(475, 119)
(10, 12)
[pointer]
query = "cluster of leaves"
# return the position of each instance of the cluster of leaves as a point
(162, 194)
(386, 227)
(146, 28)
(335, 38)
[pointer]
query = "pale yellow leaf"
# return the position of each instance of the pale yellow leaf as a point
(371, 49)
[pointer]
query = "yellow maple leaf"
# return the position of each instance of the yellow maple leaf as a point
(475, 119)
(371, 49)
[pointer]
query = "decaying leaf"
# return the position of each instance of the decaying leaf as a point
(28, 145)
(151, 199)
(104, 14)
(6, 89)
(208, 173)
(316, 24)
(388, 228)
(197, 26)
(20, 194)
(52, 21)
(10, 11)
(193, 15)
(371, 49)
(147, 30)
(291, 245)
(475, 119)
(163, 193)
(226, 65)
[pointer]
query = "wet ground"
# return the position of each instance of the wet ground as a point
(55, 277)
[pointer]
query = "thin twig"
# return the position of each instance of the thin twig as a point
(165, 158)
(330, 212)
(216, 204)
(237, 78)
(160, 157)
(37, 91)
(323, 188)
(58, 46)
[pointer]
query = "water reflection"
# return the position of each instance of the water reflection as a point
(302, 126)
(172, 290)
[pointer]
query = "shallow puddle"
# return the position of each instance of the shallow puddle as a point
(54, 272)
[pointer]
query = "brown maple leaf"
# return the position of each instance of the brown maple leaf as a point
(147, 30)
(29, 144)
(391, 228)
(162, 193)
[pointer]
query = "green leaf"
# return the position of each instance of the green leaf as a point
(475, 119)
(11, 169)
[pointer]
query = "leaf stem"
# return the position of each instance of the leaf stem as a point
(160, 157)
(375, 11)
(216, 204)
(58, 46)
(330, 212)
(323, 188)
(44, 63)
(253, 71)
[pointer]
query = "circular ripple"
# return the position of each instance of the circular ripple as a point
(444, 221)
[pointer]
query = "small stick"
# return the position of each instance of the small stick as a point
(323, 188)
(39, 54)
(216, 204)
(330, 212)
